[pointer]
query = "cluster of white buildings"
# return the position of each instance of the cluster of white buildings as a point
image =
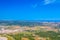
(14, 29)
(9, 30)
(3, 38)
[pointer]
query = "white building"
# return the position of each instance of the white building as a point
(3, 38)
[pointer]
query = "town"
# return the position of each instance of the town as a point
(47, 31)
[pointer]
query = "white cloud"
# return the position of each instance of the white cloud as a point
(43, 2)
(48, 1)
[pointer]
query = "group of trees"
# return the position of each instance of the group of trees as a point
(52, 35)
(49, 34)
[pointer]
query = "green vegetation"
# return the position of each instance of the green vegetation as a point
(7, 36)
(49, 34)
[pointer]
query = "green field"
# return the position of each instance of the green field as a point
(32, 35)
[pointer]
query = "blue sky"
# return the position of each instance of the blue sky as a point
(29, 9)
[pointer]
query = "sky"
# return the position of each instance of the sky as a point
(29, 9)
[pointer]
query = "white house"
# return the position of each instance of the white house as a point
(3, 38)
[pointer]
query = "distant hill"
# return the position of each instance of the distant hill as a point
(30, 23)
